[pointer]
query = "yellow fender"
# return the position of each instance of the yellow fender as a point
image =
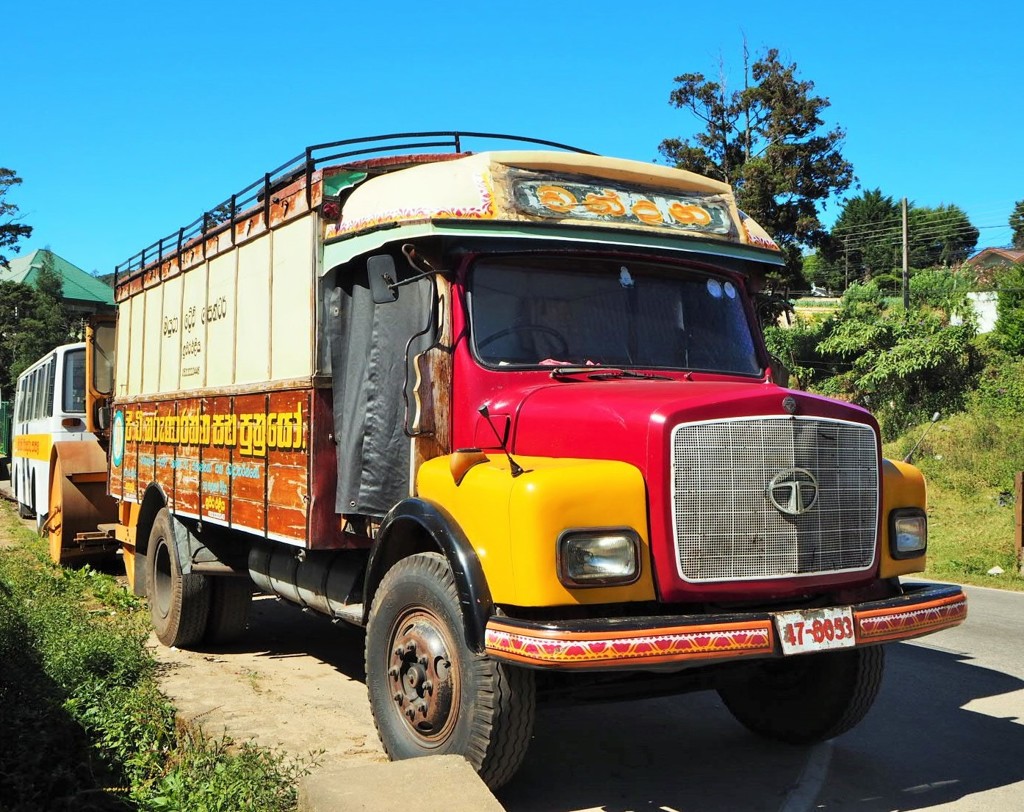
(513, 523)
(903, 486)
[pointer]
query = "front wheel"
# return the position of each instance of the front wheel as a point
(808, 698)
(430, 694)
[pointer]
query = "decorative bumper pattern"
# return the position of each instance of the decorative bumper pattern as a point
(696, 640)
(881, 625)
(548, 647)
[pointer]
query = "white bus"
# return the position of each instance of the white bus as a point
(49, 407)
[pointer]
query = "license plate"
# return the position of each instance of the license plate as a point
(815, 629)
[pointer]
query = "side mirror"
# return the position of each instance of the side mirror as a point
(103, 418)
(382, 276)
(780, 374)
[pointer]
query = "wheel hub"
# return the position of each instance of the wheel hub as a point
(420, 670)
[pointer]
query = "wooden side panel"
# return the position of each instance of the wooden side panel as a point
(249, 466)
(238, 460)
(184, 457)
(324, 527)
(215, 490)
(288, 464)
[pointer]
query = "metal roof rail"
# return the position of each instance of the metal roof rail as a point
(224, 214)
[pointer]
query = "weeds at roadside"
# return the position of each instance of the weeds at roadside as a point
(969, 461)
(85, 726)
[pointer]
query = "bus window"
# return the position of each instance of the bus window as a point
(74, 381)
(103, 359)
(50, 373)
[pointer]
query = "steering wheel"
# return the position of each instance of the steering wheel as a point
(562, 347)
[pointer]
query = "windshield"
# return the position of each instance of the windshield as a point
(537, 311)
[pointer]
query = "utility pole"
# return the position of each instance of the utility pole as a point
(906, 260)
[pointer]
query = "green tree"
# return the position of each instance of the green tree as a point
(1017, 224)
(819, 271)
(16, 301)
(866, 236)
(11, 230)
(33, 321)
(939, 237)
(769, 141)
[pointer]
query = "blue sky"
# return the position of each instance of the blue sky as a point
(127, 120)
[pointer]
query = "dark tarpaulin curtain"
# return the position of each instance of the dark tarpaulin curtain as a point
(368, 359)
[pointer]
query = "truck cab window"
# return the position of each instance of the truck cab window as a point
(571, 310)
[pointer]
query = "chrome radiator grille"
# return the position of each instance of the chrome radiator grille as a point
(773, 498)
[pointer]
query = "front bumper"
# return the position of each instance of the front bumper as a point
(692, 640)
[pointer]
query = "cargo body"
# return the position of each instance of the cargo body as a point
(512, 412)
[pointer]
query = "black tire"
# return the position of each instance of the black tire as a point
(25, 510)
(230, 599)
(429, 693)
(808, 698)
(178, 604)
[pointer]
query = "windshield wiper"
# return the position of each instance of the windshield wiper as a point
(606, 373)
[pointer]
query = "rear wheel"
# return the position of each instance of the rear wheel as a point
(179, 604)
(230, 599)
(809, 698)
(429, 692)
(25, 509)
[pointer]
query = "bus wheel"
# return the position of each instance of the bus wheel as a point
(809, 698)
(430, 694)
(179, 604)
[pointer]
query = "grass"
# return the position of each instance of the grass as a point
(970, 461)
(85, 725)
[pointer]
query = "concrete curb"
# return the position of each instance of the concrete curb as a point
(432, 784)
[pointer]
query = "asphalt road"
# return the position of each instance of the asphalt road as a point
(947, 732)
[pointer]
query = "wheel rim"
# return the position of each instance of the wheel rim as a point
(425, 689)
(161, 598)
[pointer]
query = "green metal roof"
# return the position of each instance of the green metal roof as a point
(78, 285)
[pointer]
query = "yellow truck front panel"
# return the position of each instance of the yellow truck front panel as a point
(514, 523)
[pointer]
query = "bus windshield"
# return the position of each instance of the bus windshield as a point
(554, 311)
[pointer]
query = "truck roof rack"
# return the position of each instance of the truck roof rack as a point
(260, 191)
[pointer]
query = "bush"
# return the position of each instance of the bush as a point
(904, 365)
(943, 290)
(93, 730)
(1000, 386)
(797, 348)
(1010, 321)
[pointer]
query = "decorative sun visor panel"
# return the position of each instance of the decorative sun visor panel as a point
(551, 188)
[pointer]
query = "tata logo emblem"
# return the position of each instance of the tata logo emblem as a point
(793, 491)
